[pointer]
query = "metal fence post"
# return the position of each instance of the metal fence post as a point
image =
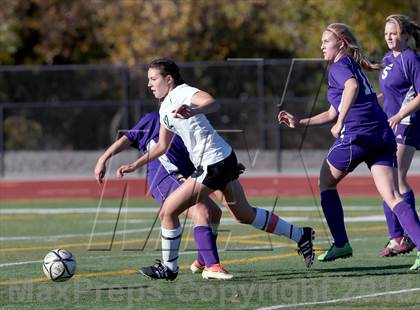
(278, 144)
(261, 103)
(126, 94)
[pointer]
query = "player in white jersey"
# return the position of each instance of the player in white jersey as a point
(183, 112)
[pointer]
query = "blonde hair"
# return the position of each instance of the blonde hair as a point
(351, 46)
(405, 25)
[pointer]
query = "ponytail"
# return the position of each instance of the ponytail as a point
(352, 47)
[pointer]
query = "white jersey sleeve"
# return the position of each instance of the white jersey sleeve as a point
(203, 143)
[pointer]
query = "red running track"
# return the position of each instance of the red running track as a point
(254, 186)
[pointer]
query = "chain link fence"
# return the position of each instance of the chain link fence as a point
(83, 107)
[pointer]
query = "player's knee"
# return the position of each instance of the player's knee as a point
(326, 185)
(161, 214)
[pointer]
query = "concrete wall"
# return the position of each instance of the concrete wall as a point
(80, 164)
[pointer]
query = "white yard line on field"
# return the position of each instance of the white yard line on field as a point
(4, 211)
(224, 221)
(332, 301)
(63, 236)
(154, 254)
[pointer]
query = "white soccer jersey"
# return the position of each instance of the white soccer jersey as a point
(204, 144)
(163, 159)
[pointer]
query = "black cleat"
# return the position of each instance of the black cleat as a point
(305, 246)
(158, 271)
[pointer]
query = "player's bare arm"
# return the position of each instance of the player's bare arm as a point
(406, 110)
(160, 148)
(201, 102)
(351, 88)
(118, 146)
(319, 119)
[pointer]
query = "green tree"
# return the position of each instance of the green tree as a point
(22, 133)
(128, 31)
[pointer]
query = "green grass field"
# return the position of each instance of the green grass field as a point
(267, 270)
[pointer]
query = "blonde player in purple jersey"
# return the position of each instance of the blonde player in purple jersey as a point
(362, 135)
(182, 111)
(400, 85)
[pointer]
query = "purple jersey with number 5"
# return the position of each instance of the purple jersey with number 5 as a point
(365, 116)
(400, 83)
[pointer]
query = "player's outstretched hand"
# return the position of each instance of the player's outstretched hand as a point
(288, 119)
(183, 112)
(125, 169)
(100, 170)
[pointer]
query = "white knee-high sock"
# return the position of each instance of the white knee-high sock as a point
(171, 239)
(270, 222)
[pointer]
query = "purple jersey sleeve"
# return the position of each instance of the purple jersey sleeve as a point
(340, 72)
(365, 116)
(146, 129)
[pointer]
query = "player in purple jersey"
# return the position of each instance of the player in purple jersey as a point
(400, 84)
(363, 135)
(164, 176)
(183, 110)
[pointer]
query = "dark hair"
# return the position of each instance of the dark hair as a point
(167, 67)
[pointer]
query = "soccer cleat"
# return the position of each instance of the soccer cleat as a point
(335, 252)
(306, 247)
(158, 271)
(197, 267)
(416, 265)
(216, 272)
(393, 248)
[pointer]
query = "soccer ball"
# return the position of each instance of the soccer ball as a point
(59, 265)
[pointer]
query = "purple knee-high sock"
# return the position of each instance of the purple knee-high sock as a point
(206, 245)
(334, 214)
(394, 227)
(200, 256)
(410, 198)
(409, 220)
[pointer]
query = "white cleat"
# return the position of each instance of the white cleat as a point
(216, 272)
(197, 267)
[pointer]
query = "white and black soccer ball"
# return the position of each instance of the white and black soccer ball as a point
(59, 265)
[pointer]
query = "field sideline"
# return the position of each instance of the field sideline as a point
(353, 185)
(268, 272)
